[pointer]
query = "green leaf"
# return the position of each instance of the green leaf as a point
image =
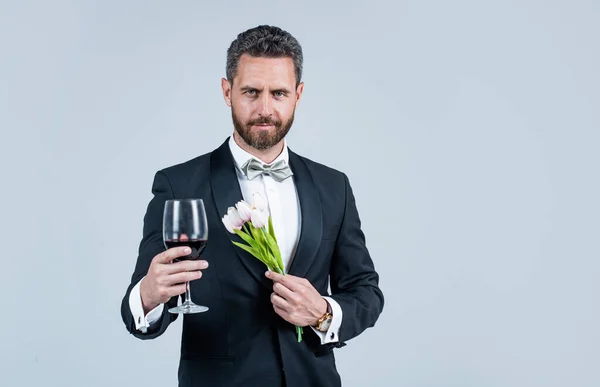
(272, 263)
(257, 234)
(256, 254)
(248, 239)
(248, 249)
(272, 229)
(260, 245)
(253, 232)
(274, 247)
(273, 243)
(259, 237)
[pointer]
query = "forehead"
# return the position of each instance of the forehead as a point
(265, 71)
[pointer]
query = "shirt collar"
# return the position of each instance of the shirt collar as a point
(240, 156)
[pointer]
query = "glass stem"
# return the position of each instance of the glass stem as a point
(188, 298)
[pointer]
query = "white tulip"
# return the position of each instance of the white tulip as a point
(259, 218)
(232, 220)
(244, 210)
(259, 203)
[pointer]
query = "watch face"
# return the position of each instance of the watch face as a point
(325, 325)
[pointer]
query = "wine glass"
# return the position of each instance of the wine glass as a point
(184, 224)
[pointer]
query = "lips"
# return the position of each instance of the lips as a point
(264, 126)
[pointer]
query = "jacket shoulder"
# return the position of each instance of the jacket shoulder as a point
(187, 166)
(180, 175)
(323, 172)
(191, 167)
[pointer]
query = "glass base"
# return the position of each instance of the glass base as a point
(188, 308)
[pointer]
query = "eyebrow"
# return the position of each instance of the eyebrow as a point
(282, 89)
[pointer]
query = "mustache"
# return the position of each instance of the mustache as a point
(264, 120)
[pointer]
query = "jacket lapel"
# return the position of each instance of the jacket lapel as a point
(226, 193)
(311, 214)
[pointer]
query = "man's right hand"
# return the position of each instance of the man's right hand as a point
(166, 279)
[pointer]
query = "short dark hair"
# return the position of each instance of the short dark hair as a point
(267, 42)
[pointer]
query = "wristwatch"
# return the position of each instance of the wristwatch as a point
(325, 320)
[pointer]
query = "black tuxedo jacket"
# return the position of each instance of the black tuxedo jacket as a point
(241, 341)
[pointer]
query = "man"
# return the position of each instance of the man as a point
(248, 336)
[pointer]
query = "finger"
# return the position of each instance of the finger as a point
(291, 282)
(282, 291)
(176, 252)
(280, 311)
(176, 290)
(279, 302)
(179, 278)
(183, 266)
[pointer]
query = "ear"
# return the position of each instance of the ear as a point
(226, 86)
(299, 91)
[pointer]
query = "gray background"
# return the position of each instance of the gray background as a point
(469, 131)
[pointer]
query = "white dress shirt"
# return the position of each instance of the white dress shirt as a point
(284, 208)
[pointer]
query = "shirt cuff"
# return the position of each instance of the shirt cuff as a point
(332, 334)
(142, 323)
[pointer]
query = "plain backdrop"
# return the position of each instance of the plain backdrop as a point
(468, 129)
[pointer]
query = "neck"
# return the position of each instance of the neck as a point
(265, 155)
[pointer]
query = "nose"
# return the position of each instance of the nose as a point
(266, 108)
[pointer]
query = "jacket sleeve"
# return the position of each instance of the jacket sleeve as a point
(150, 245)
(354, 281)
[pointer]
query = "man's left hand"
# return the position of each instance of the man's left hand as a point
(296, 300)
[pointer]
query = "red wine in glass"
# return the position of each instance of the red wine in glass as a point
(185, 224)
(197, 247)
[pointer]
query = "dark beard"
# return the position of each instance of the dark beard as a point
(262, 140)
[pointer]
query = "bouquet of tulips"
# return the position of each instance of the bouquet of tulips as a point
(254, 225)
